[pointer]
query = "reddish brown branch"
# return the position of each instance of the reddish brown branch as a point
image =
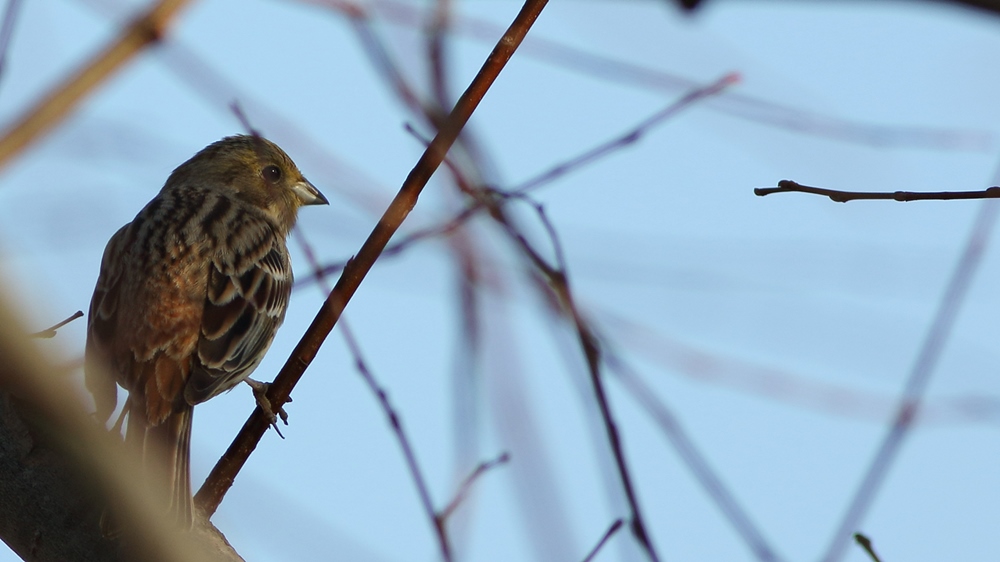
(221, 478)
(63, 98)
(789, 186)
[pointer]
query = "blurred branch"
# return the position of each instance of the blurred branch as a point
(866, 544)
(837, 196)
(59, 469)
(771, 383)
(600, 544)
(916, 383)
(742, 106)
(7, 32)
(696, 462)
(51, 332)
(221, 477)
(63, 98)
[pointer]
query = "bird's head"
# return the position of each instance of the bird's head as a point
(252, 169)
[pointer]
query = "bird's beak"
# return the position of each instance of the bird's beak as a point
(308, 194)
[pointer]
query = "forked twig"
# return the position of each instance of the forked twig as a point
(222, 475)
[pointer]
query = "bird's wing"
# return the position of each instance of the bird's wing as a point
(101, 328)
(248, 288)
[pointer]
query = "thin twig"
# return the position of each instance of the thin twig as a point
(866, 543)
(607, 536)
(51, 332)
(423, 491)
(463, 489)
(404, 443)
(916, 383)
(696, 462)
(838, 196)
(224, 472)
(64, 97)
(633, 135)
(573, 164)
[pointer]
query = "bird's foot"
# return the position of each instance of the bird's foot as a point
(260, 395)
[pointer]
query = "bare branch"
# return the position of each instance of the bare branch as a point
(633, 135)
(7, 31)
(788, 186)
(607, 536)
(404, 442)
(51, 332)
(463, 489)
(222, 476)
(866, 544)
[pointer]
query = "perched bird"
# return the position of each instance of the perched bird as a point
(189, 297)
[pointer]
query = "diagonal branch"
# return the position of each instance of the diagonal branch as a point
(221, 478)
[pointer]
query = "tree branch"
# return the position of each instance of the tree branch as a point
(221, 478)
(789, 186)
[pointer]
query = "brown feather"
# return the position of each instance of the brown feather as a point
(190, 295)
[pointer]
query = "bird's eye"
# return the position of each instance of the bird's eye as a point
(272, 173)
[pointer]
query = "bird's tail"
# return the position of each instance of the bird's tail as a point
(166, 459)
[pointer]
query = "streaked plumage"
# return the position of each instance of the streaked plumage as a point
(190, 295)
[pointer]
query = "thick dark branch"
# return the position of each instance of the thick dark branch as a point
(222, 476)
(788, 186)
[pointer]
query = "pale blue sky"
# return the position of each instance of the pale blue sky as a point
(668, 250)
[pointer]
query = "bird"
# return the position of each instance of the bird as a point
(188, 299)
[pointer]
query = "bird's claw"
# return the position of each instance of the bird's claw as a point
(260, 395)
